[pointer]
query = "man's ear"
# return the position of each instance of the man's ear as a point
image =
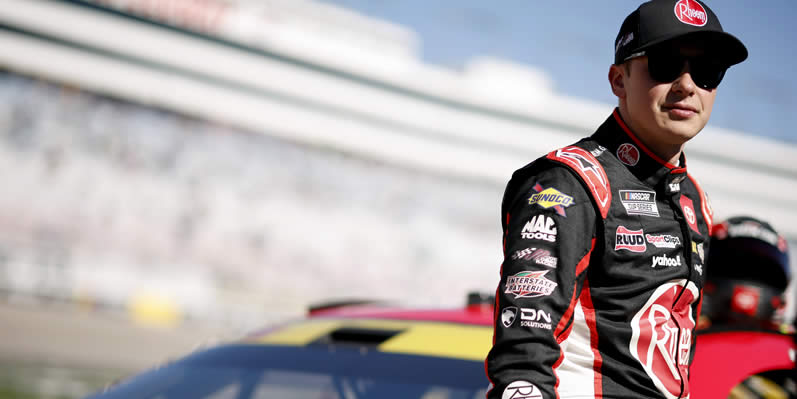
(617, 80)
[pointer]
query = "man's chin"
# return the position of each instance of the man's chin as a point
(683, 131)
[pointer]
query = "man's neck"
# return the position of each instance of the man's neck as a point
(670, 153)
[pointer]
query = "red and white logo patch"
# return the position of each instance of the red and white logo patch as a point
(632, 240)
(662, 336)
(689, 212)
(521, 390)
(691, 12)
(745, 299)
(628, 154)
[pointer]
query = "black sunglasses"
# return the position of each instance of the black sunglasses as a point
(664, 67)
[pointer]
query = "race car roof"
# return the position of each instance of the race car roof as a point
(465, 341)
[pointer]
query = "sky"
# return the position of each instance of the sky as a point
(573, 43)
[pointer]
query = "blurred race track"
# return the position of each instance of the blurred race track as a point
(46, 349)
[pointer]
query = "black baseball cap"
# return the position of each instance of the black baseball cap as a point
(660, 21)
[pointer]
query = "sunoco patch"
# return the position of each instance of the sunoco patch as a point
(550, 197)
(638, 202)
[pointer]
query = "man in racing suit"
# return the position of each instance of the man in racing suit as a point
(605, 240)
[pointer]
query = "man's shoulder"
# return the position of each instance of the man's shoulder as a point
(549, 161)
(573, 165)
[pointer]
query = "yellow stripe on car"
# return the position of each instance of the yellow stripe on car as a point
(451, 340)
(297, 334)
(444, 340)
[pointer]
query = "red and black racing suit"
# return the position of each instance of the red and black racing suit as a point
(604, 244)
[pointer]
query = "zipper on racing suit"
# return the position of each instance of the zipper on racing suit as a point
(672, 189)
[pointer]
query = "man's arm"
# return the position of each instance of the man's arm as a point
(549, 224)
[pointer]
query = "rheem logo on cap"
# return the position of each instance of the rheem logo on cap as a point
(691, 12)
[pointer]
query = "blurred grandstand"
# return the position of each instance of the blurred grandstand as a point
(233, 162)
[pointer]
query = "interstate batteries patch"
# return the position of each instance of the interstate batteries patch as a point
(638, 202)
(550, 197)
(530, 284)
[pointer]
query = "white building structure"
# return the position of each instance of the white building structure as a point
(313, 76)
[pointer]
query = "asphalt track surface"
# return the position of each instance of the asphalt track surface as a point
(68, 336)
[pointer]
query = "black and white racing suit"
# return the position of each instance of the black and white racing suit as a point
(604, 248)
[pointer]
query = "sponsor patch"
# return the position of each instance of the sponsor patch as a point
(535, 318)
(699, 269)
(663, 240)
(550, 198)
(521, 390)
(540, 227)
(675, 187)
(547, 260)
(661, 337)
(688, 208)
(630, 240)
(508, 316)
(691, 12)
(628, 154)
(539, 256)
(529, 284)
(638, 202)
(745, 300)
(598, 151)
(624, 40)
(698, 249)
(665, 260)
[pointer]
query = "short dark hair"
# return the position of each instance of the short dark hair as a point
(627, 66)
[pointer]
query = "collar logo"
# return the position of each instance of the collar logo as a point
(628, 154)
(691, 12)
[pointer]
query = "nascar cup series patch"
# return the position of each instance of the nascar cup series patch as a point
(639, 202)
(550, 198)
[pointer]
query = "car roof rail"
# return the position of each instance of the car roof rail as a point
(336, 304)
(356, 336)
